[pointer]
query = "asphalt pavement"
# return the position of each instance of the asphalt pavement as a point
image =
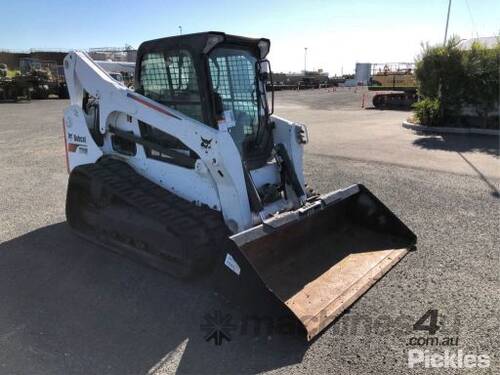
(68, 307)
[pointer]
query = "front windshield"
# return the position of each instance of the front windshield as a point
(233, 77)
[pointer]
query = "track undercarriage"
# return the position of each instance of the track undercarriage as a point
(110, 204)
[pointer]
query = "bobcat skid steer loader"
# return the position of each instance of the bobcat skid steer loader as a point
(191, 172)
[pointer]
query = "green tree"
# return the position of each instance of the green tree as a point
(441, 74)
(482, 67)
(453, 79)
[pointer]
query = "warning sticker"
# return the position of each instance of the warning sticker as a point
(231, 264)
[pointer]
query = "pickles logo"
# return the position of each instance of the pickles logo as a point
(448, 359)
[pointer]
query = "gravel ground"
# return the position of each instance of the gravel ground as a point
(68, 307)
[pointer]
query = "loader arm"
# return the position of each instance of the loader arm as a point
(221, 172)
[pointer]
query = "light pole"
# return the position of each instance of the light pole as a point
(180, 30)
(447, 21)
(305, 60)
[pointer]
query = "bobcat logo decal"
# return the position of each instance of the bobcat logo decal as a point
(206, 143)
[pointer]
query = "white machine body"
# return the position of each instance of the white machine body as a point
(217, 180)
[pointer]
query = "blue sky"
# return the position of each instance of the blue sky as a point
(337, 33)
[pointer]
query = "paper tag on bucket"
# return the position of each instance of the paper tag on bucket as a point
(231, 264)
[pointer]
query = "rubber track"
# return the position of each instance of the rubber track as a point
(201, 228)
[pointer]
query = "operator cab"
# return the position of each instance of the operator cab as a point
(214, 78)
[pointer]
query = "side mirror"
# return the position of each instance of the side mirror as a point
(266, 77)
(264, 70)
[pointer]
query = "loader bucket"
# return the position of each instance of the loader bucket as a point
(319, 260)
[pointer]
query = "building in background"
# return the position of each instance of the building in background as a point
(13, 58)
(486, 41)
(304, 80)
(361, 75)
(125, 54)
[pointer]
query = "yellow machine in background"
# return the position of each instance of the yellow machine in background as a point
(395, 84)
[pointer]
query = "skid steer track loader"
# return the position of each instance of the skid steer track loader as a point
(192, 172)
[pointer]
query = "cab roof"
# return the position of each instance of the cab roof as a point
(204, 42)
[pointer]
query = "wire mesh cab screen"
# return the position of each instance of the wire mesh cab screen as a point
(170, 78)
(232, 72)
